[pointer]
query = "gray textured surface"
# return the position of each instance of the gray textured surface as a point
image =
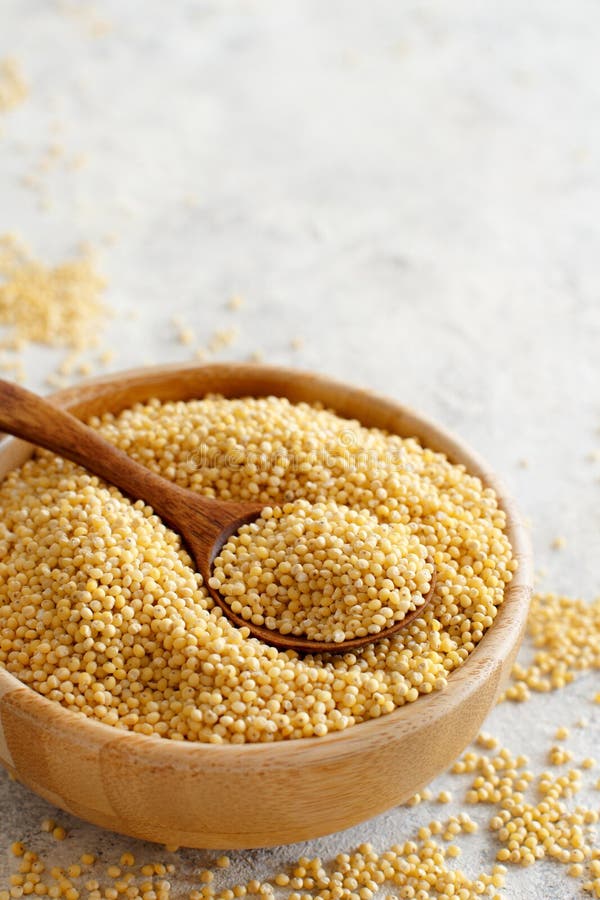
(412, 188)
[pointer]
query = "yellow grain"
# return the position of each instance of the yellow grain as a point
(57, 305)
(13, 88)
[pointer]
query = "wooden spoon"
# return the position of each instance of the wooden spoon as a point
(204, 523)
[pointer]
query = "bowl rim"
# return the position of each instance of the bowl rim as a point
(496, 644)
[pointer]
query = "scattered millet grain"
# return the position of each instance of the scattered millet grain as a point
(223, 337)
(68, 363)
(33, 182)
(59, 306)
(558, 756)
(559, 543)
(106, 357)
(531, 831)
(13, 88)
(416, 868)
(125, 615)
(487, 741)
(186, 336)
(419, 797)
(566, 636)
(322, 571)
(234, 303)
(55, 381)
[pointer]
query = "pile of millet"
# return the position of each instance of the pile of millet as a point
(53, 305)
(101, 609)
(323, 571)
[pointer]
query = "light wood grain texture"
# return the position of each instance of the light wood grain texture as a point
(232, 796)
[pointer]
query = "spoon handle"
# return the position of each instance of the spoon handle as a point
(30, 417)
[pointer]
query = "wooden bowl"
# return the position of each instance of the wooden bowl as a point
(242, 796)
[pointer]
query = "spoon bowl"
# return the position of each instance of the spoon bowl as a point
(203, 523)
(307, 645)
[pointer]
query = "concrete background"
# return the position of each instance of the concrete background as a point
(412, 189)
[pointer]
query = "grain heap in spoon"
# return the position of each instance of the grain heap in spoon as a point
(323, 571)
